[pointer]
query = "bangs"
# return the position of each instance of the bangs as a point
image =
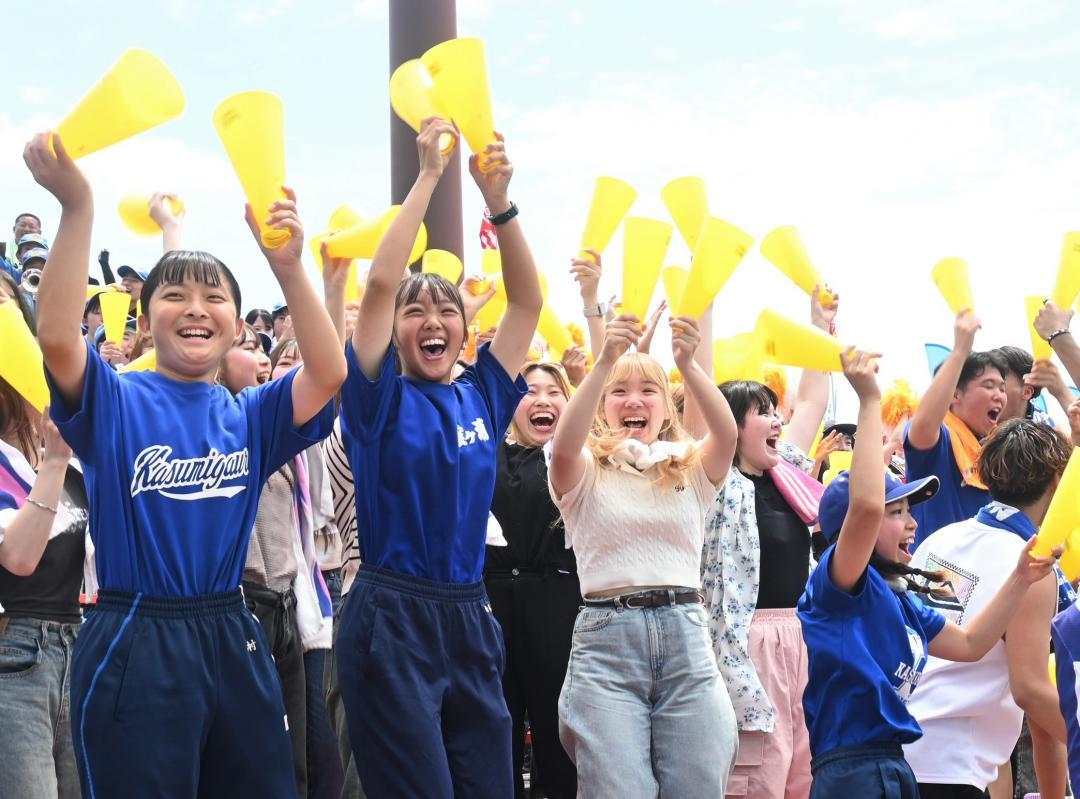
(745, 395)
(438, 288)
(177, 267)
(554, 371)
(639, 365)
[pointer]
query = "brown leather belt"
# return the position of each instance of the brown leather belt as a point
(654, 598)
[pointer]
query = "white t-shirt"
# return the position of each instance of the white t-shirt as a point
(626, 531)
(969, 719)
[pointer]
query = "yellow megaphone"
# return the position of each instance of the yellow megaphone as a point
(344, 216)
(136, 93)
(414, 98)
(459, 71)
(92, 289)
(352, 288)
(674, 280)
(789, 343)
(611, 200)
(736, 358)
(114, 314)
(22, 367)
(951, 278)
(785, 250)
(1070, 558)
(1040, 347)
(147, 362)
(1051, 667)
(441, 262)
(135, 213)
(839, 461)
(490, 262)
(1067, 283)
(489, 316)
(720, 248)
(686, 202)
(362, 239)
(645, 243)
(554, 332)
(251, 125)
(1064, 510)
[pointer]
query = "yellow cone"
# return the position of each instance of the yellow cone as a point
(720, 248)
(674, 280)
(645, 243)
(91, 290)
(345, 215)
(147, 362)
(554, 332)
(137, 93)
(490, 262)
(492, 312)
(252, 128)
(1070, 558)
(1064, 509)
(1040, 348)
(790, 343)
(611, 200)
(361, 240)
(414, 98)
(1067, 283)
(135, 213)
(785, 249)
(686, 202)
(951, 278)
(114, 314)
(21, 367)
(839, 461)
(460, 74)
(736, 358)
(441, 262)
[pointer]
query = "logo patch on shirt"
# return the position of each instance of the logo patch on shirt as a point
(909, 675)
(155, 471)
(962, 583)
(478, 433)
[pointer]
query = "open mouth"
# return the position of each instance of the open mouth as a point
(770, 442)
(635, 422)
(195, 333)
(994, 415)
(433, 348)
(542, 421)
(904, 549)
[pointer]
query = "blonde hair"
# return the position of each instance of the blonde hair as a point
(556, 372)
(603, 440)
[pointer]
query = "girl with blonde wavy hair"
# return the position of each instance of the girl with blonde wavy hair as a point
(643, 707)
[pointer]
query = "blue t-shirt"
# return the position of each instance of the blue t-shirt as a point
(423, 458)
(174, 472)
(1065, 633)
(866, 653)
(954, 501)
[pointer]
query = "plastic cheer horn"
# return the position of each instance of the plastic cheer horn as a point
(1070, 558)
(1040, 348)
(490, 262)
(645, 243)
(611, 200)
(1067, 283)
(136, 93)
(414, 98)
(21, 367)
(789, 343)
(489, 316)
(459, 72)
(147, 362)
(135, 213)
(951, 277)
(362, 239)
(251, 125)
(686, 202)
(554, 332)
(720, 248)
(441, 262)
(785, 250)
(839, 461)
(114, 314)
(736, 358)
(674, 280)
(1064, 510)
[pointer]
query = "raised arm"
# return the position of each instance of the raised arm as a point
(866, 506)
(587, 274)
(62, 292)
(1027, 648)
(1051, 320)
(812, 397)
(171, 224)
(567, 463)
(925, 427)
(375, 326)
(693, 421)
(718, 445)
(523, 296)
(323, 370)
(335, 274)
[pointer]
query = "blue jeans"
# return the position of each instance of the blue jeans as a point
(643, 709)
(37, 758)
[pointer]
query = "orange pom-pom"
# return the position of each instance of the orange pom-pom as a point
(675, 377)
(898, 401)
(776, 379)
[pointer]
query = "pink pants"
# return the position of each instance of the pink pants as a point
(776, 765)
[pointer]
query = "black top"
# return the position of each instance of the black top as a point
(52, 591)
(530, 521)
(785, 547)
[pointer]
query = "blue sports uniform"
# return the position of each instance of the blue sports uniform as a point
(956, 501)
(1065, 633)
(866, 652)
(171, 676)
(420, 654)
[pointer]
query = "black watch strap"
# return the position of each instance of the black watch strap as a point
(505, 216)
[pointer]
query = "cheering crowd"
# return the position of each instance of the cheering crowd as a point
(369, 549)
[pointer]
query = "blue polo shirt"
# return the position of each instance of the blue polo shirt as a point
(866, 653)
(1065, 633)
(954, 501)
(423, 457)
(174, 471)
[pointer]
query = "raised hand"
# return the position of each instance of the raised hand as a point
(685, 338)
(860, 369)
(54, 170)
(574, 361)
(966, 326)
(282, 215)
(587, 274)
(622, 332)
(1052, 318)
(494, 180)
(823, 316)
(432, 161)
(650, 327)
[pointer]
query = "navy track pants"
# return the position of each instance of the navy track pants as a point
(866, 771)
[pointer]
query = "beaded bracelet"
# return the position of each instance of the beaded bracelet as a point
(41, 505)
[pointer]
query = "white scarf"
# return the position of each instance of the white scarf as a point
(635, 457)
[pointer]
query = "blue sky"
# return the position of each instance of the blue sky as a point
(893, 135)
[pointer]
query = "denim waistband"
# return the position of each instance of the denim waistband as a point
(420, 586)
(171, 607)
(878, 749)
(31, 623)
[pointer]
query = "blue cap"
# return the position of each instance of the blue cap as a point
(37, 252)
(99, 336)
(834, 502)
(265, 342)
(131, 271)
(34, 238)
(279, 308)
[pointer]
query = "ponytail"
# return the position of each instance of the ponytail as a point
(932, 583)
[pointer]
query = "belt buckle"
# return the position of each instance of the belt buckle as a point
(628, 601)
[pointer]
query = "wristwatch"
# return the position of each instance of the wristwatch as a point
(595, 310)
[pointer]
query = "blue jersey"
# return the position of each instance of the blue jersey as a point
(866, 653)
(174, 471)
(1065, 632)
(954, 501)
(423, 457)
